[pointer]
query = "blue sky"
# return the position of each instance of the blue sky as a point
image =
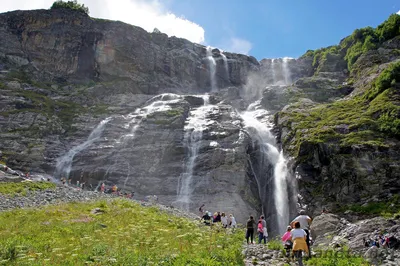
(262, 28)
(278, 28)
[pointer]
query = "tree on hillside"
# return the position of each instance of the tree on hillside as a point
(74, 5)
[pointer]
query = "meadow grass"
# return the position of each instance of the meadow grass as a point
(21, 188)
(124, 233)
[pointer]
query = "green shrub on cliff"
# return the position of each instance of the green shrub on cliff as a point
(74, 5)
(371, 118)
(358, 43)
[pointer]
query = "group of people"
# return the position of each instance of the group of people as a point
(297, 237)
(218, 217)
(384, 241)
(261, 226)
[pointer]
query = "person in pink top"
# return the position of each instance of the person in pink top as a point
(260, 230)
(287, 235)
(287, 240)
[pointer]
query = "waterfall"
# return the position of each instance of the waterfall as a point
(269, 168)
(213, 69)
(64, 163)
(274, 81)
(281, 197)
(196, 124)
(225, 65)
(286, 70)
(159, 103)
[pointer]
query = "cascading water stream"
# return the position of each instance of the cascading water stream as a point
(213, 69)
(159, 103)
(274, 81)
(64, 163)
(270, 170)
(286, 70)
(225, 65)
(196, 124)
(156, 104)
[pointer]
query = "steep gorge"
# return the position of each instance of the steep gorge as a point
(103, 101)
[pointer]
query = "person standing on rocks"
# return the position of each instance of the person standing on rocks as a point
(260, 231)
(224, 220)
(114, 189)
(265, 231)
(299, 237)
(250, 229)
(218, 218)
(287, 240)
(207, 218)
(232, 221)
(305, 222)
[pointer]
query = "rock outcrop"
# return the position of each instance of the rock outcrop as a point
(329, 231)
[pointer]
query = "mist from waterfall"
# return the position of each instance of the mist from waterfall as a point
(196, 124)
(271, 174)
(213, 69)
(64, 163)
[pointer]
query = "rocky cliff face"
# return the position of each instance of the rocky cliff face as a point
(64, 72)
(68, 46)
(103, 101)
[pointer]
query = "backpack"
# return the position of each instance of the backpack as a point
(250, 223)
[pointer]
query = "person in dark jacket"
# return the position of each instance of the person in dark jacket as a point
(250, 224)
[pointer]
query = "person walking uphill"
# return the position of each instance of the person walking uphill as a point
(251, 224)
(305, 222)
(298, 237)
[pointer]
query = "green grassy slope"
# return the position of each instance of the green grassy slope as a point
(124, 233)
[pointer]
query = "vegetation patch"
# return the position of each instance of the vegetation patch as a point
(21, 188)
(360, 42)
(367, 119)
(275, 244)
(123, 233)
(73, 5)
(386, 209)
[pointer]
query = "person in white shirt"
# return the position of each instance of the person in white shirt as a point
(305, 222)
(224, 220)
(299, 237)
(232, 222)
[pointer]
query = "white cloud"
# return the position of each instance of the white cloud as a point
(398, 12)
(146, 14)
(237, 45)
